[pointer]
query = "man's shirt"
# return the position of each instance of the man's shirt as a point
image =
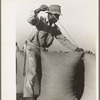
(46, 33)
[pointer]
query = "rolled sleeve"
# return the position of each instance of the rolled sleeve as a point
(64, 41)
(33, 19)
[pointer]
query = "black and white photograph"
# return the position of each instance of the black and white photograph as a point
(50, 50)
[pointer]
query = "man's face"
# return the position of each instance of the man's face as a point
(53, 18)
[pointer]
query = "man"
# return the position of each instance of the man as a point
(46, 31)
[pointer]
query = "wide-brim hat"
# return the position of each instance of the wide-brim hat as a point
(54, 9)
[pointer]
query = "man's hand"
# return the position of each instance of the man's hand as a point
(44, 7)
(79, 49)
(41, 8)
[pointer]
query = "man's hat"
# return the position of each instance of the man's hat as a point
(54, 9)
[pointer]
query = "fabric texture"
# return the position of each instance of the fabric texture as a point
(62, 76)
(59, 72)
(19, 73)
(90, 91)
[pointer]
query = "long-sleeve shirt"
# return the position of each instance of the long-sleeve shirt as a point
(46, 33)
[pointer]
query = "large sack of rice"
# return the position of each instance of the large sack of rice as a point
(19, 73)
(90, 78)
(62, 76)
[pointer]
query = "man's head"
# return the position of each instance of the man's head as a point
(54, 13)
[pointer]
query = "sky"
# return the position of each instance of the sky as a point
(79, 18)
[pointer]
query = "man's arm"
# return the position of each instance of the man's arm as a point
(33, 18)
(66, 42)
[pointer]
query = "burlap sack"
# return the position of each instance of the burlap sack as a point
(19, 69)
(62, 76)
(90, 78)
